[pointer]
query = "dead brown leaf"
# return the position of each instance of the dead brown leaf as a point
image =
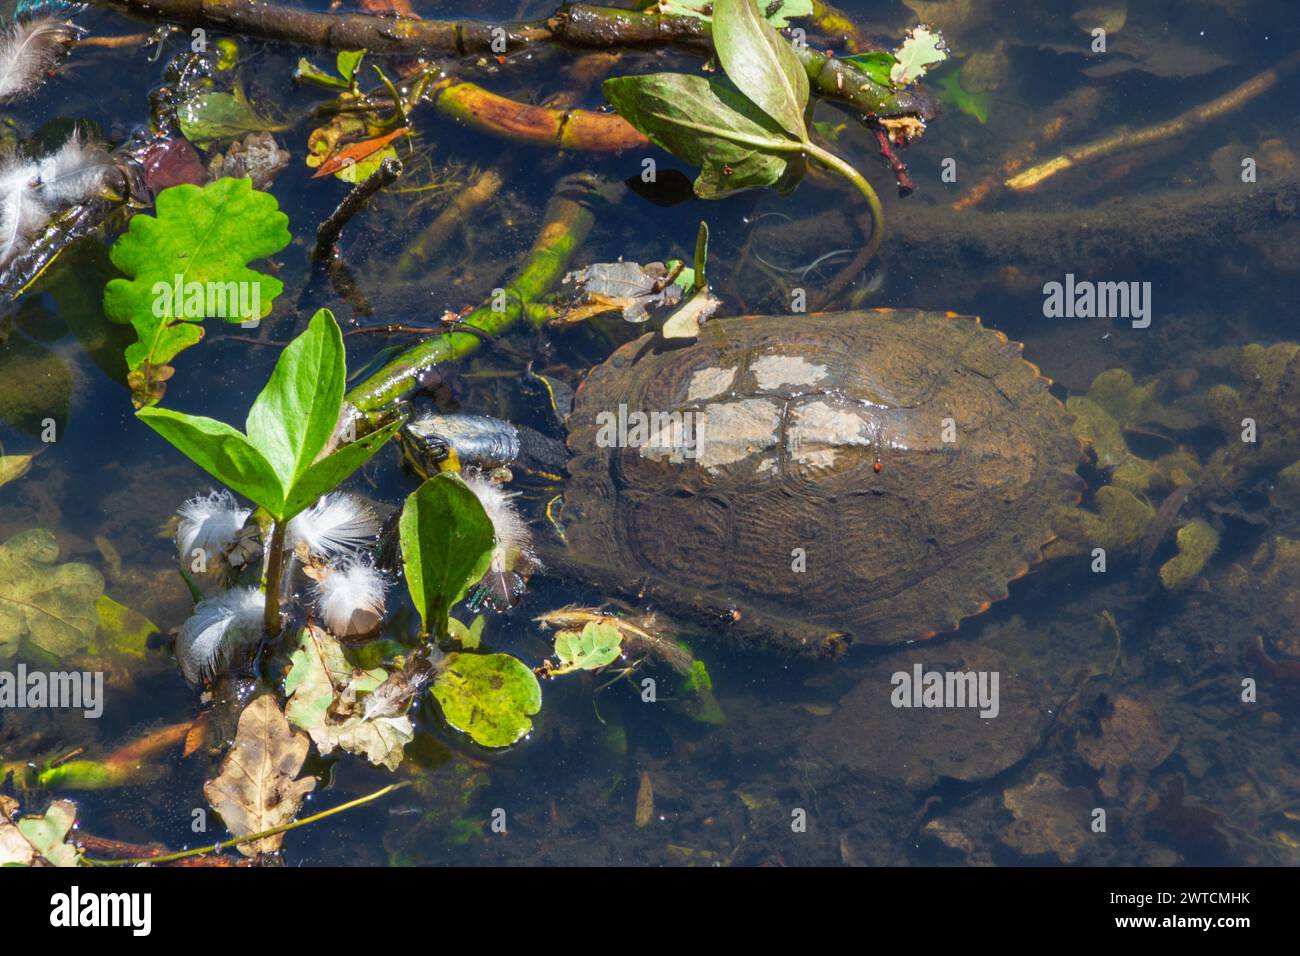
(1049, 819)
(258, 786)
(1130, 746)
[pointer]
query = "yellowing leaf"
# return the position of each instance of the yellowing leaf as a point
(51, 605)
(33, 840)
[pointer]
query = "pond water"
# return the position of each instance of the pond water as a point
(1164, 712)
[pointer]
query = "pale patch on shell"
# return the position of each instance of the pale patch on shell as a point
(775, 371)
(818, 429)
(709, 382)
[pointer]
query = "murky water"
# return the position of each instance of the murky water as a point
(1122, 737)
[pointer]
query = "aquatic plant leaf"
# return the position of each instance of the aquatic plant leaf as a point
(209, 117)
(778, 16)
(877, 64)
(920, 50)
(761, 63)
(596, 645)
(223, 452)
(953, 93)
(488, 696)
(447, 543)
(122, 629)
(1197, 542)
(295, 413)
(202, 239)
(258, 786)
(328, 473)
(347, 62)
(48, 604)
(627, 287)
(13, 467)
(34, 840)
(708, 122)
(327, 698)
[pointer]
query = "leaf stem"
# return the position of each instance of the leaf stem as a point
(274, 570)
(827, 158)
(254, 837)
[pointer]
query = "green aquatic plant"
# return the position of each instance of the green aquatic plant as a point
(749, 130)
(188, 263)
(1197, 542)
(278, 462)
(488, 696)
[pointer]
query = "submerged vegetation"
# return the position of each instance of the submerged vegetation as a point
(283, 594)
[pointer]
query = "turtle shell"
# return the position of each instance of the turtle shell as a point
(865, 476)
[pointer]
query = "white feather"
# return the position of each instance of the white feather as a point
(210, 523)
(217, 626)
(335, 525)
(514, 546)
(23, 210)
(350, 598)
(74, 172)
(29, 51)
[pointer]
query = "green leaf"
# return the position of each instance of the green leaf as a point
(708, 122)
(920, 50)
(327, 699)
(309, 72)
(122, 630)
(50, 605)
(878, 64)
(223, 452)
(488, 696)
(295, 414)
(347, 62)
(953, 93)
(208, 117)
(596, 645)
(447, 541)
(701, 257)
(205, 236)
(761, 64)
(328, 473)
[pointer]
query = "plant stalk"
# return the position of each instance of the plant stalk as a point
(272, 573)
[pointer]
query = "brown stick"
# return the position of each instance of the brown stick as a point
(1180, 125)
(327, 236)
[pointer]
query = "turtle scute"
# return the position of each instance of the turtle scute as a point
(876, 475)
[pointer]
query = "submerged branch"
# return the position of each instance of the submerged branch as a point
(568, 220)
(582, 26)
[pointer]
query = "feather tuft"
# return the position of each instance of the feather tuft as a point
(350, 598)
(214, 524)
(75, 171)
(513, 558)
(217, 626)
(335, 525)
(29, 50)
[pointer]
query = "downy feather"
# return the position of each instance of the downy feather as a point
(74, 172)
(335, 525)
(32, 190)
(28, 51)
(513, 557)
(217, 626)
(350, 598)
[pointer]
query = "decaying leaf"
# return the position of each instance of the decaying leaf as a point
(209, 117)
(329, 699)
(626, 287)
(37, 840)
(258, 786)
(920, 50)
(645, 801)
(1049, 818)
(1131, 744)
(51, 605)
(13, 467)
(357, 157)
(685, 322)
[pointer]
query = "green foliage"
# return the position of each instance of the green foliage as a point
(447, 541)
(877, 64)
(596, 645)
(747, 131)
(50, 606)
(921, 50)
(206, 236)
(488, 696)
(271, 463)
(207, 118)
(953, 93)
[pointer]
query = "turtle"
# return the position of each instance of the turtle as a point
(813, 481)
